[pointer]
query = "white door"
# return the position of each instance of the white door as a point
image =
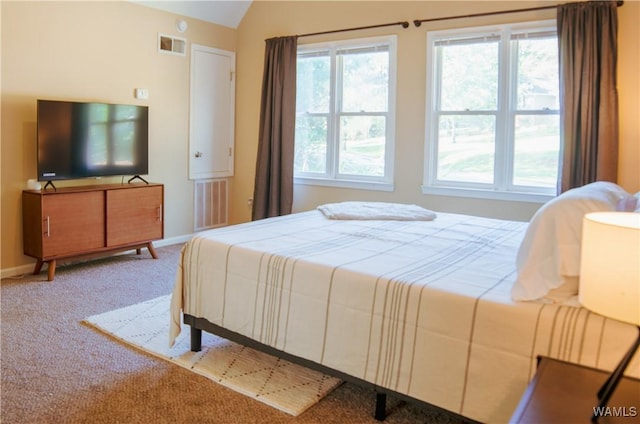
(211, 112)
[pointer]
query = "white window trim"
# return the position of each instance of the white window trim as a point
(357, 184)
(449, 188)
(356, 181)
(515, 196)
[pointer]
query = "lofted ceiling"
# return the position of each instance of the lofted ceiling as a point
(227, 13)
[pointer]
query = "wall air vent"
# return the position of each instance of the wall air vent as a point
(211, 201)
(172, 44)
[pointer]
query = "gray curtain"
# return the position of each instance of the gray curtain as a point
(587, 40)
(273, 189)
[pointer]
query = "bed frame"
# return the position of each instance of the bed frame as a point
(196, 325)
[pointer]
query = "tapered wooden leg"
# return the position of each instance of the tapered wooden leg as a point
(52, 270)
(38, 267)
(152, 250)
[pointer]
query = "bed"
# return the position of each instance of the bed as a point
(421, 308)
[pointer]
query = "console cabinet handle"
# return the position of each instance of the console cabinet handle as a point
(48, 220)
(159, 218)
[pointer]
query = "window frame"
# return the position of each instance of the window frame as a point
(332, 177)
(507, 110)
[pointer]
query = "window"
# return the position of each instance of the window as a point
(345, 113)
(493, 111)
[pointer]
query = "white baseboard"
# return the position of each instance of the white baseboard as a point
(173, 240)
(16, 271)
(20, 270)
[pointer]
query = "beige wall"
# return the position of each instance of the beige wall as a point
(95, 51)
(299, 17)
(629, 94)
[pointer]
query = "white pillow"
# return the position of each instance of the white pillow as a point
(548, 260)
(629, 204)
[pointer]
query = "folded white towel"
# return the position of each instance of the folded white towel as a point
(376, 211)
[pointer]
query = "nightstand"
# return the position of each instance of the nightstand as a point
(565, 393)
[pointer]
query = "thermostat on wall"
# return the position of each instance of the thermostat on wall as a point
(142, 93)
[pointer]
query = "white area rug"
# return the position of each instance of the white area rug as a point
(288, 387)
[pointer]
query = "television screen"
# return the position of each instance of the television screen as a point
(82, 140)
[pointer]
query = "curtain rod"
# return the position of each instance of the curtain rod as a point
(419, 22)
(404, 24)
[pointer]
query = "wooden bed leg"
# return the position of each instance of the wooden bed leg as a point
(196, 339)
(381, 406)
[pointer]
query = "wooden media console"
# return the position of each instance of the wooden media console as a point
(79, 221)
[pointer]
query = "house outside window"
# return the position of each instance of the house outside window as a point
(345, 113)
(492, 112)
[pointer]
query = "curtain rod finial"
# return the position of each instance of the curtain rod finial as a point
(417, 23)
(405, 24)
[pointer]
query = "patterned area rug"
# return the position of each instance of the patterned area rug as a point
(273, 381)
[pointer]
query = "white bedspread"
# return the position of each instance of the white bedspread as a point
(419, 307)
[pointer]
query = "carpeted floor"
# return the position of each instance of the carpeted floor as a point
(54, 369)
(279, 383)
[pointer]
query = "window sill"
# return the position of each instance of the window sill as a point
(488, 194)
(361, 185)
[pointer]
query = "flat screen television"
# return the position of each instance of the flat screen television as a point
(84, 140)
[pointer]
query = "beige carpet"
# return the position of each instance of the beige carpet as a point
(273, 381)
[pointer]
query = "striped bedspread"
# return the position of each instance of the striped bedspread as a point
(419, 307)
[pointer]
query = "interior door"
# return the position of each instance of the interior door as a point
(211, 113)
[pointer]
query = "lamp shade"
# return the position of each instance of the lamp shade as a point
(610, 265)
